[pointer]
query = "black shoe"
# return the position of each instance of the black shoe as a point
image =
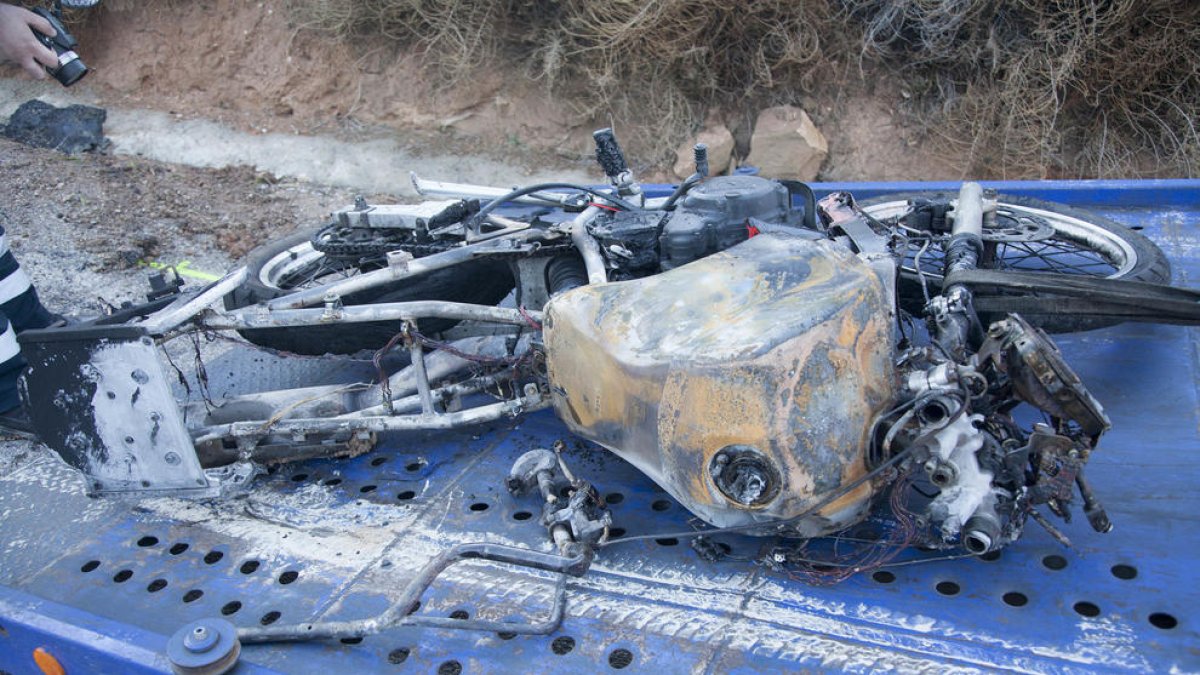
(16, 420)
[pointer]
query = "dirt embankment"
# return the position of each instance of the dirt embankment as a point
(247, 65)
(244, 64)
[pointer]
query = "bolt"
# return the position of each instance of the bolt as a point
(200, 640)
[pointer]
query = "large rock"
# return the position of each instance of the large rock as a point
(720, 152)
(71, 130)
(787, 145)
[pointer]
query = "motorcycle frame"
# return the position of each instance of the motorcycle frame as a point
(135, 461)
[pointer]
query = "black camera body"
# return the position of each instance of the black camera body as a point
(70, 68)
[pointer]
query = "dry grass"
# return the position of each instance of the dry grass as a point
(1026, 88)
(1076, 87)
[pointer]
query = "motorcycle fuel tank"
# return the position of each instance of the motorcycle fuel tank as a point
(745, 383)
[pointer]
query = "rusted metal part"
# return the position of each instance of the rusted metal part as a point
(1041, 376)
(775, 354)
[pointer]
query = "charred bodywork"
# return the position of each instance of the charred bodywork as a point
(744, 383)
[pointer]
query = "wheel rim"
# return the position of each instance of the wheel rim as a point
(302, 266)
(1076, 248)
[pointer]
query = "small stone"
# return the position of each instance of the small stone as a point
(787, 145)
(720, 152)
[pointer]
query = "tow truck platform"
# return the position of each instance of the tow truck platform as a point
(100, 585)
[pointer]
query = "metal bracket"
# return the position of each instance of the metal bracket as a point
(101, 399)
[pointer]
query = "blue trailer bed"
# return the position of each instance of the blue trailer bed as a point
(102, 584)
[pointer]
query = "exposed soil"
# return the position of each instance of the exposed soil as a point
(246, 66)
(82, 224)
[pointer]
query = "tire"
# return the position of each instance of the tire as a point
(1082, 243)
(273, 267)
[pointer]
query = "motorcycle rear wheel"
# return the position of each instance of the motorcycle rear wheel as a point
(289, 264)
(1082, 244)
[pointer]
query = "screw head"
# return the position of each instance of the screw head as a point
(200, 640)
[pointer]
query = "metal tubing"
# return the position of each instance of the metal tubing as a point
(433, 188)
(252, 317)
(439, 365)
(183, 309)
(486, 413)
(441, 394)
(395, 615)
(588, 248)
(418, 363)
(968, 210)
(437, 261)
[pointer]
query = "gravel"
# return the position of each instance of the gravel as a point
(86, 227)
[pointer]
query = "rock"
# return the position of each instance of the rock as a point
(71, 130)
(787, 145)
(720, 152)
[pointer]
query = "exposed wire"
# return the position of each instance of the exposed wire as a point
(283, 412)
(841, 566)
(529, 320)
(921, 272)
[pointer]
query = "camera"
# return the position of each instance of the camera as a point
(70, 68)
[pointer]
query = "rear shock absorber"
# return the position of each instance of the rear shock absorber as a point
(564, 273)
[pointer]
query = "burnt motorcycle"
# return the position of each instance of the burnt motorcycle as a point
(779, 364)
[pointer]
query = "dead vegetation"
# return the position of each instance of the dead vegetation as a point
(1024, 88)
(1078, 87)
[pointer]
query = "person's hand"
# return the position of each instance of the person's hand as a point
(18, 44)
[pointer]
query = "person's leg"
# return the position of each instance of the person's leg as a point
(18, 298)
(11, 365)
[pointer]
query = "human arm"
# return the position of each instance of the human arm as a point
(19, 45)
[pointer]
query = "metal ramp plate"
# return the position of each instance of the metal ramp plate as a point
(102, 584)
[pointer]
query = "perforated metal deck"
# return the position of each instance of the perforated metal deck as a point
(103, 584)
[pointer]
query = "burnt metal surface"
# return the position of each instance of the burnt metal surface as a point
(104, 402)
(102, 584)
(779, 344)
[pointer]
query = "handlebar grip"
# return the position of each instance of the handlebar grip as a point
(700, 154)
(608, 153)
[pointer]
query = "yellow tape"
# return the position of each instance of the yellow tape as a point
(184, 268)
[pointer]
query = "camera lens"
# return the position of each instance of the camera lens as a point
(71, 71)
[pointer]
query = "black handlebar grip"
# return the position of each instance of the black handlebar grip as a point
(608, 153)
(700, 154)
